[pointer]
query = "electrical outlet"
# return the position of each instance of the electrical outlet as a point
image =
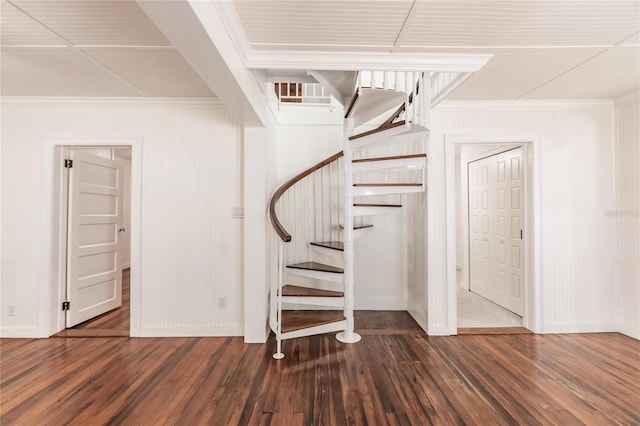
(222, 302)
(11, 311)
(237, 212)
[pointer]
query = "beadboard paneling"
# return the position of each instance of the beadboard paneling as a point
(577, 238)
(627, 211)
(191, 248)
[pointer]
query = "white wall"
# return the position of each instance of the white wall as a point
(191, 248)
(577, 185)
(628, 210)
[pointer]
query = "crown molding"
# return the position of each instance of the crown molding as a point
(356, 61)
(63, 100)
(524, 104)
(629, 98)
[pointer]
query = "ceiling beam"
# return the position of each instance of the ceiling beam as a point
(197, 30)
(372, 61)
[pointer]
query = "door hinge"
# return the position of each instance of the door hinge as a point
(66, 305)
(521, 234)
(68, 163)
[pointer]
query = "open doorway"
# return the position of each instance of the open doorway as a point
(491, 212)
(94, 215)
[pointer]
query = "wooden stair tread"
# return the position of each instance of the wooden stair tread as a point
(377, 130)
(315, 266)
(296, 320)
(334, 245)
(397, 157)
(356, 227)
(294, 290)
(376, 205)
(387, 184)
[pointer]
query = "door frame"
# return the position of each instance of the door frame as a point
(53, 226)
(532, 318)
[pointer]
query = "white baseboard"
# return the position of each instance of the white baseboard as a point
(628, 330)
(189, 332)
(418, 314)
(20, 333)
(584, 327)
(439, 331)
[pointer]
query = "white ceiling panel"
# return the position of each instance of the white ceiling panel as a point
(162, 73)
(510, 74)
(56, 72)
(614, 73)
(326, 23)
(18, 29)
(95, 22)
(523, 23)
(634, 40)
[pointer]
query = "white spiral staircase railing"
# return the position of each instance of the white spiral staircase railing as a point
(356, 185)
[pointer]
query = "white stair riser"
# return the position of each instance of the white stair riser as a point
(370, 211)
(385, 190)
(391, 136)
(320, 329)
(318, 275)
(327, 256)
(336, 302)
(390, 165)
(373, 102)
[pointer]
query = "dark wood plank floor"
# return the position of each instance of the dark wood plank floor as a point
(114, 323)
(395, 375)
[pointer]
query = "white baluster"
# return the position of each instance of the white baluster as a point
(397, 88)
(426, 119)
(423, 93)
(385, 80)
(416, 77)
(373, 79)
(279, 354)
(348, 336)
(407, 84)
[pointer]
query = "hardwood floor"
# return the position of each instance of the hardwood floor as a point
(395, 375)
(114, 323)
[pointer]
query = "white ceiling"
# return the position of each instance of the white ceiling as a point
(542, 49)
(89, 48)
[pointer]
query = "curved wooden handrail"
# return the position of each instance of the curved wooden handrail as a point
(282, 233)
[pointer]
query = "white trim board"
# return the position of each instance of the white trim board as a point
(373, 61)
(229, 331)
(417, 313)
(524, 104)
(20, 332)
(110, 101)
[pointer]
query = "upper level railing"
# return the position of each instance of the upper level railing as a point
(302, 93)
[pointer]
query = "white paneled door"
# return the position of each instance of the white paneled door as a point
(495, 229)
(94, 273)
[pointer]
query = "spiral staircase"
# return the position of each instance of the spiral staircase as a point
(322, 298)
